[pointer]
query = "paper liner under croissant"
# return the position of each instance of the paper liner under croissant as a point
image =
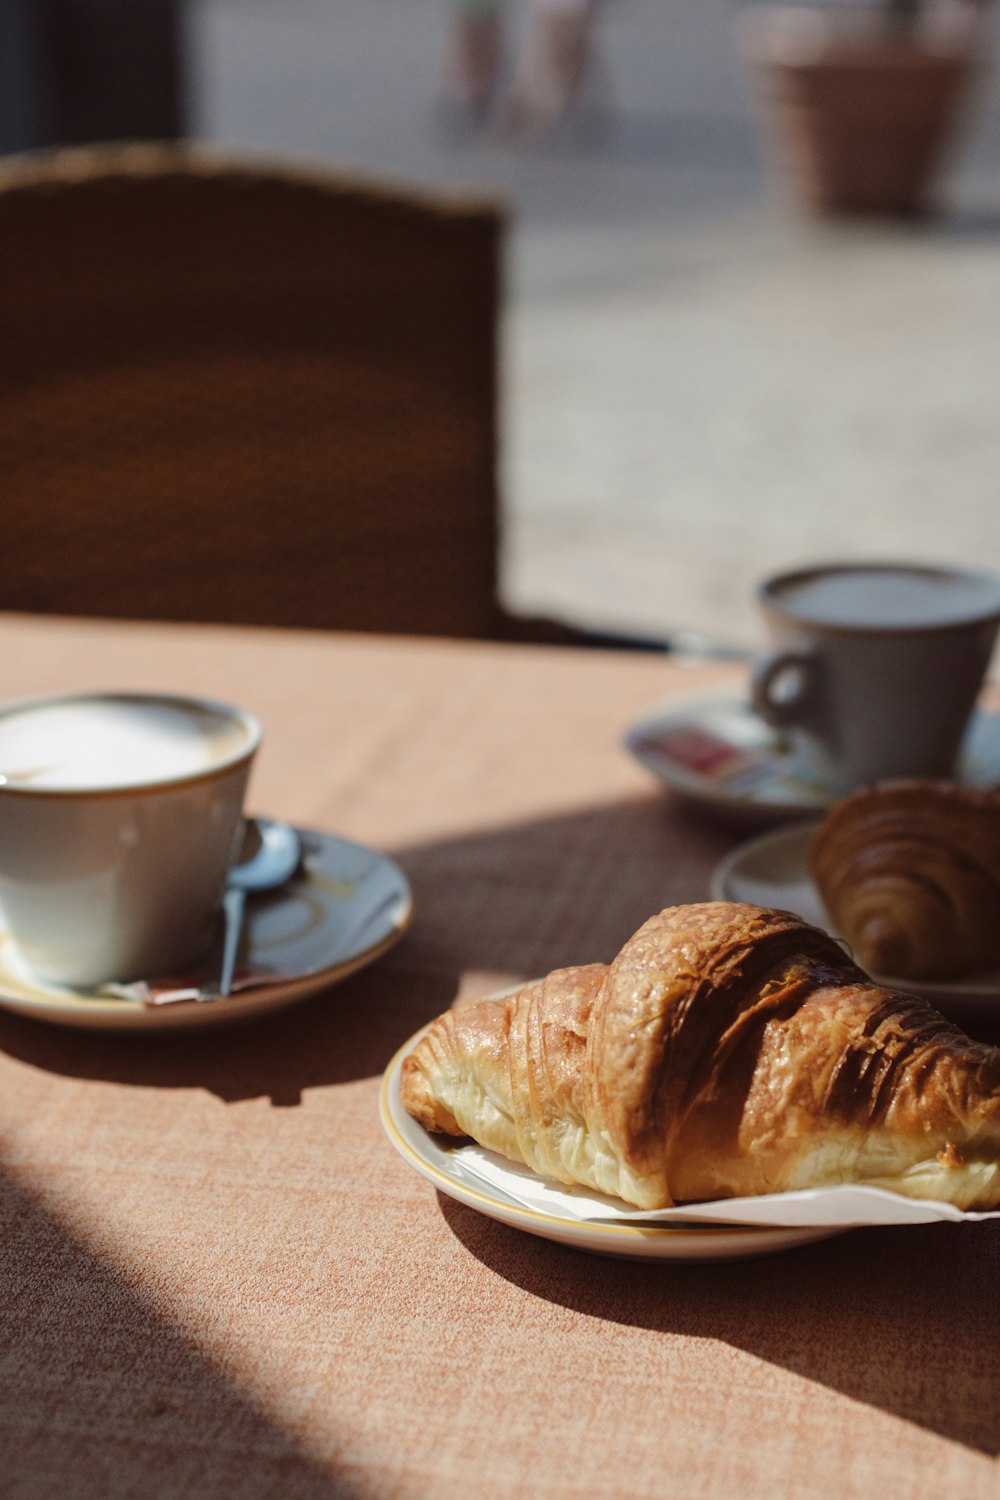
(729, 1050)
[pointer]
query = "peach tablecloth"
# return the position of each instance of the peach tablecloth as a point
(217, 1278)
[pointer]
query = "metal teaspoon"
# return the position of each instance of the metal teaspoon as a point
(271, 865)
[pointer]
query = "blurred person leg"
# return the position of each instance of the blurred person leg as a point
(557, 60)
(473, 60)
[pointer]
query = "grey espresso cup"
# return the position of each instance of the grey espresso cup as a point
(876, 667)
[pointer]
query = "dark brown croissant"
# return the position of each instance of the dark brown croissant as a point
(909, 873)
(728, 1050)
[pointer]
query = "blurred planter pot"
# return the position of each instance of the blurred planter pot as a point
(863, 106)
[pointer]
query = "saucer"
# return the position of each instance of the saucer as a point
(444, 1167)
(346, 906)
(714, 751)
(773, 870)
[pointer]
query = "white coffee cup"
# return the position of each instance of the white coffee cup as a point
(878, 666)
(120, 814)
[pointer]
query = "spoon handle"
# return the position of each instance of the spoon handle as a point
(233, 904)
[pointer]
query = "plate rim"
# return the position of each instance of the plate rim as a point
(62, 1007)
(729, 861)
(701, 788)
(727, 1240)
(745, 805)
(957, 992)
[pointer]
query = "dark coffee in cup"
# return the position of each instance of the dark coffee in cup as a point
(882, 598)
(878, 666)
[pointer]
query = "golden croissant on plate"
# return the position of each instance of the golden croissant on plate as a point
(909, 873)
(728, 1050)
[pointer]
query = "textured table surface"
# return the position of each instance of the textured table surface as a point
(217, 1278)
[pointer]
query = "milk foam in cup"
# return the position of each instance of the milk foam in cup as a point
(119, 816)
(877, 667)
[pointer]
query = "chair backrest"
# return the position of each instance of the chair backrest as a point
(248, 395)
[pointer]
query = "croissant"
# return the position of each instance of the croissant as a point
(909, 873)
(728, 1050)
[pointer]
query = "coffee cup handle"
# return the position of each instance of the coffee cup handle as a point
(783, 687)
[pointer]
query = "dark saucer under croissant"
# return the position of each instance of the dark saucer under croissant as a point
(727, 1050)
(909, 872)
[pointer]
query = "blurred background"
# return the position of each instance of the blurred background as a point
(704, 379)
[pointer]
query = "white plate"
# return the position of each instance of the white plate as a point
(715, 751)
(441, 1164)
(773, 870)
(344, 909)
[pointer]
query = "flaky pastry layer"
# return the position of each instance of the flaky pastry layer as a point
(909, 872)
(728, 1050)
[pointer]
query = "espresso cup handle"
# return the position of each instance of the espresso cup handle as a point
(783, 687)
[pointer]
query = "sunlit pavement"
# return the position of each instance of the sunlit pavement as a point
(700, 385)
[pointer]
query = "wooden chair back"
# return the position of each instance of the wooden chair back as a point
(248, 395)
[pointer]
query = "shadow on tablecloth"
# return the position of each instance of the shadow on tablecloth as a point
(900, 1319)
(490, 907)
(105, 1394)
